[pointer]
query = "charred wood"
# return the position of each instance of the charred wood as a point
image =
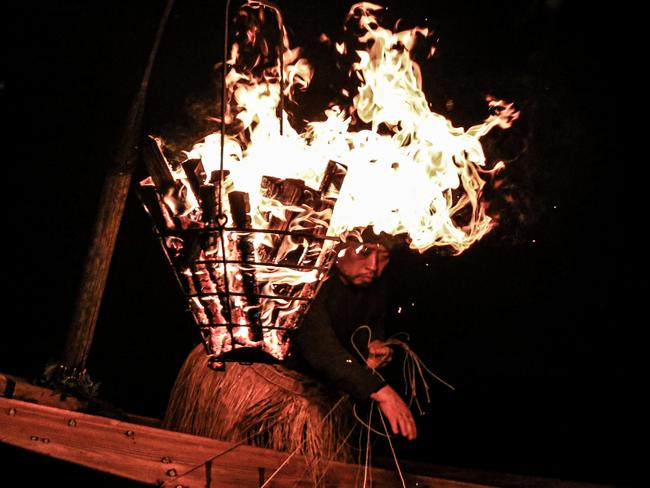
(195, 174)
(157, 164)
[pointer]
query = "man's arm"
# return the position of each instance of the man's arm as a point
(318, 344)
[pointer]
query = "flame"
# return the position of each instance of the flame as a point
(409, 170)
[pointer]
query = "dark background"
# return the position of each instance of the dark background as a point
(532, 325)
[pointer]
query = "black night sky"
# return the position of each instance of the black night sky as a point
(532, 325)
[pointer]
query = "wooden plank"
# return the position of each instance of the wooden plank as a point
(158, 456)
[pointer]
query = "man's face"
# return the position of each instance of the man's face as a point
(361, 264)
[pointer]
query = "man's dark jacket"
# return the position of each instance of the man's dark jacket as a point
(322, 346)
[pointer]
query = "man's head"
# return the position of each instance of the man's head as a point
(361, 263)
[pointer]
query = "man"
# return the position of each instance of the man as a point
(330, 341)
(298, 406)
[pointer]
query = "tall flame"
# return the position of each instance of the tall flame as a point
(410, 172)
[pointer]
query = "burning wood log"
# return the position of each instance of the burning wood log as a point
(207, 310)
(304, 294)
(329, 189)
(240, 211)
(157, 165)
(289, 248)
(173, 247)
(208, 199)
(287, 192)
(202, 279)
(156, 209)
(187, 281)
(332, 181)
(191, 249)
(216, 340)
(318, 205)
(173, 192)
(198, 310)
(215, 309)
(218, 305)
(222, 182)
(194, 173)
(208, 194)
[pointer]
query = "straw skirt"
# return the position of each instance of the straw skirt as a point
(264, 405)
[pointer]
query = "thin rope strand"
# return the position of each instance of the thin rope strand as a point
(364, 424)
(366, 465)
(338, 449)
(392, 450)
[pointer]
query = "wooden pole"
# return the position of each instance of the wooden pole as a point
(95, 272)
(107, 224)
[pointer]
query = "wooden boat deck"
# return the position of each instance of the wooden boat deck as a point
(155, 456)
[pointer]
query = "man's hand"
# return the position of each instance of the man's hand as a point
(379, 354)
(396, 411)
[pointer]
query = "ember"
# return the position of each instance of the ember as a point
(250, 217)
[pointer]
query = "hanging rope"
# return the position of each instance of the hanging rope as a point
(366, 466)
(222, 218)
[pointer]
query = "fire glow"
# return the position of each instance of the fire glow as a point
(385, 161)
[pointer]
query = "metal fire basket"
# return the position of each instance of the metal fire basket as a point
(246, 286)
